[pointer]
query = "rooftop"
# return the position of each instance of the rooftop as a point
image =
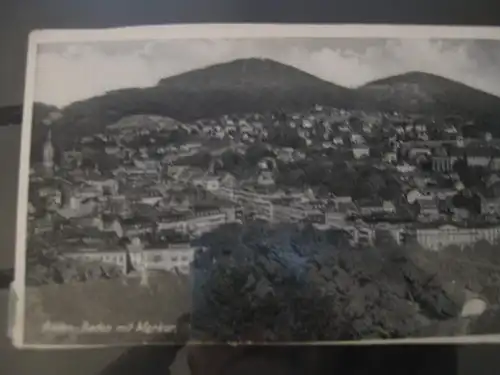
(284, 201)
(252, 187)
(137, 221)
(475, 151)
(200, 208)
(427, 204)
(164, 245)
(170, 217)
(103, 243)
(370, 202)
(451, 225)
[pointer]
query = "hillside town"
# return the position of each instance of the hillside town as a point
(141, 193)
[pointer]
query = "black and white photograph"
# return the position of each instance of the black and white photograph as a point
(259, 184)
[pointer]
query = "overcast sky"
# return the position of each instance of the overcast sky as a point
(71, 72)
(18, 17)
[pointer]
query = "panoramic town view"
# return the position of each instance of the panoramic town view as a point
(266, 204)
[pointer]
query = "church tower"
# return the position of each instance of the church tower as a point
(48, 153)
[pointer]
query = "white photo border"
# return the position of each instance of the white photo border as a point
(203, 31)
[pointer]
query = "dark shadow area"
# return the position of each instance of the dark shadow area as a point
(6, 277)
(292, 283)
(11, 115)
(225, 360)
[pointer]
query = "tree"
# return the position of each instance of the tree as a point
(471, 176)
(472, 203)
(296, 284)
(314, 173)
(234, 163)
(107, 163)
(284, 136)
(200, 159)
(257, 152)
(88, 163)
(291, 176)
(178, 136)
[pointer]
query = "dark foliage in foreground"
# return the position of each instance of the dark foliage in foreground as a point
(293, 284)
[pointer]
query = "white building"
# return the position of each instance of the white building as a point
(357, 139)
(289, 210)
(75, 208)
(416, 152)
(266, 178)
(111, 256)
(447, 235)
(443, 163)
(405, 168)
(428, 208)
(261, 208)
(360, 152)
(361, 234)
(335, 219)
(163, 257)
(104, 185)
(420, 128)
(367, 128)
(48, 154)
(389, 207)
(209, 183)
(336, 216)
(390, 157)
(253, 202)
(338, 141)
(490, 206)
(199, 221)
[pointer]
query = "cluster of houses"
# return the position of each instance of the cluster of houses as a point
(145, 213)
(330, 127)
(136, 256)
(96, 227)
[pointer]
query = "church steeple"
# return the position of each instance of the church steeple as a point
(48, 153)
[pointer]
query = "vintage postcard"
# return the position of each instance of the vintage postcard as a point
(259, 183)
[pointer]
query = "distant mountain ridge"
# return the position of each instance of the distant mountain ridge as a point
(243, 85)
(251, 74)
(425, 92)
(263, 85)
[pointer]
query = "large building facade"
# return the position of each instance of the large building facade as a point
(447, 235)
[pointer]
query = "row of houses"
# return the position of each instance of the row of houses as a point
(277, 206)
(435, 238)
(195, 221)
(167, 256)
(431, 238)
(138, 256)
(444, 159)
